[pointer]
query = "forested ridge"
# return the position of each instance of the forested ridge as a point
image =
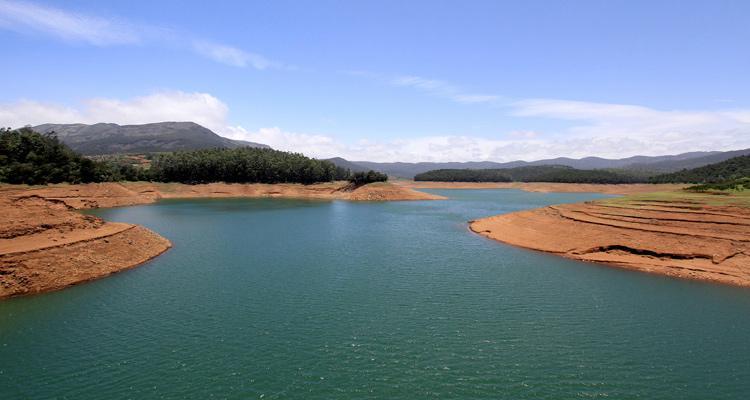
(545, 173)
(725, 171)
(32, 158)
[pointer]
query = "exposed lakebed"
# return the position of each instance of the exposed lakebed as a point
(320, 299)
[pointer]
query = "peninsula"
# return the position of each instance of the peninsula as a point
(680, 234)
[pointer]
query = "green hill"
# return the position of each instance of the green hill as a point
(732, 169)
(541, 173)
(157, 137)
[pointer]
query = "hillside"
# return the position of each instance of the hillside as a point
(147, 138)
(340, 162)
(732, 169)
(678, 164)
(541, 173)
(639, 165)
(33, 158)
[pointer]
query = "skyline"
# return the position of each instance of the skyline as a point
(388, 82)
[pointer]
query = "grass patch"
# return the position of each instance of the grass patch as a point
(724, 198)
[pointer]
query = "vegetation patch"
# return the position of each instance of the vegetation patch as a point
(734, 185)
(543, 173)
(28, 157)
(725, 172)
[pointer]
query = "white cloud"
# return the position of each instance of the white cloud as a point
(442, 89)
(65, 25)
(523, 134)
(27, 112)
(233, 56)
(605, 130)
(201, 108)
(432, 87)
(427, 148)
(475, 98)
(312, 145)
(617, 129)
(71, 26)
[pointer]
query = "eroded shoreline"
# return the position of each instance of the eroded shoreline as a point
(46, 245)
(692, 236)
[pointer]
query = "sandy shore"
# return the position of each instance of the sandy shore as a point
(544, 187)
(684, 235)
(45, 245)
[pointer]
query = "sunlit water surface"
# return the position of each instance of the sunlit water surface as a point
(337, 300)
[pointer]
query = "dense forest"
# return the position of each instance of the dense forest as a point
(464, 175)
(242, 165)
(729, 173)
(542, 173)
(33, 158)
(725, 171)
(361, 177)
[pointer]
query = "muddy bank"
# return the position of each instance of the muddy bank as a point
(46, 245)
(682, 235)
(622, 189)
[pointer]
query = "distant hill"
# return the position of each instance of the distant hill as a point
(529, 173)
(340, 162)
(674, 165)
(408, 170)
(727, 170)
(147, 138)
(639, 165)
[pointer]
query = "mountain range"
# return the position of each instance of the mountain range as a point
(106, 138)
(635, 164)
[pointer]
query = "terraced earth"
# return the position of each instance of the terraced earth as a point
(45, 245)
(680, 234)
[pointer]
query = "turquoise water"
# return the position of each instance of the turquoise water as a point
(294, 299)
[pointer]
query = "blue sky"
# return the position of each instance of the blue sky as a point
(390, 80)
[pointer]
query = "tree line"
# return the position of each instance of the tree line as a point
(542, 173)
(242, 165)
(736, 185)
(726, 171)
(32, 158)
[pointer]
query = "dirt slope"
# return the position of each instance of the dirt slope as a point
(682, 235)
(45, 245)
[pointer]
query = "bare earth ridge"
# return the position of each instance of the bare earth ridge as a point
(45, 245)
(679, 234)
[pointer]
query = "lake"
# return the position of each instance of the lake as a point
(280, 299)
